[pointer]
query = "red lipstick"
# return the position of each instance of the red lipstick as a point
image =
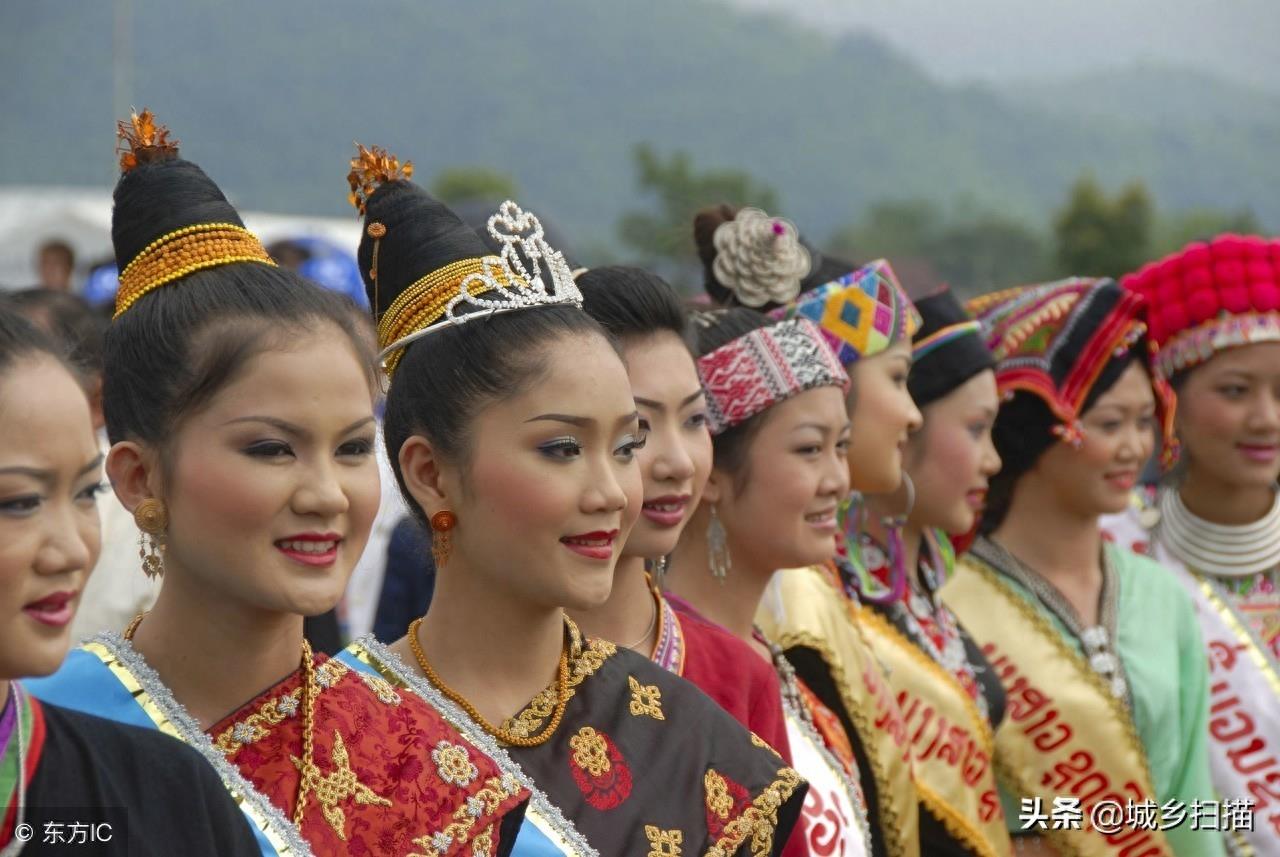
(318, 550)
(594, 545)
(56, 610)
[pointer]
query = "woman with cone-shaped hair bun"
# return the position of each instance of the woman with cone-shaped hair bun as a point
(239, 399)
(513, 432)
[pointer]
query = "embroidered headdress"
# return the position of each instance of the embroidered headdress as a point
(1054, 340)
(426, 270)
(755, 371)
(209, 235)
(1207, 297)
(948, 348)
(860, 314)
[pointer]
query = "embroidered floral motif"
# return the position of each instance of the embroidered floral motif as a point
(256, 726)
(338, 786)
(589, 751)
(758, 821)
(646, 700)
(719, 802)
(381, 688)
(584, 664)
(453, 763)
(482, 845)
(599, 769)
(663, 843)
(496, 790)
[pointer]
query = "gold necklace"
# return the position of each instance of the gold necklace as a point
(502, 734)
(308, 721)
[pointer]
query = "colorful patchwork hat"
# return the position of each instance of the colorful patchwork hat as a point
(1208, 297)
(860, 314)
(1054, 340)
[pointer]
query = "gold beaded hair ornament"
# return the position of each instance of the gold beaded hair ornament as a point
(489, 285)
(192, 248)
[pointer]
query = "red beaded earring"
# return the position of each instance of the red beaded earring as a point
(441, 523)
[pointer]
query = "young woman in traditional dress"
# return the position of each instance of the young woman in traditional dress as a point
(645, 316)
(1098, 649)
(951, 699)
(1214, 309)
(513, 433)
(131, 791)
(781, 436)
(239, 399)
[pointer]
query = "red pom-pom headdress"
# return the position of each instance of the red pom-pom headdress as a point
(1210, 296)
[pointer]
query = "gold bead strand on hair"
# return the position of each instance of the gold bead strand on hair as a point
(502, 734)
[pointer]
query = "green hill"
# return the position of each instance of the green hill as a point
(269, 96)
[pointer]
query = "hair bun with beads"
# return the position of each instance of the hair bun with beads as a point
(169, 219)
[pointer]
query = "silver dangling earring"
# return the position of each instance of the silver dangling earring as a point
(658, 573)
(718, 548)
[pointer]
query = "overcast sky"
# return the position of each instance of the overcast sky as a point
(1003, 40)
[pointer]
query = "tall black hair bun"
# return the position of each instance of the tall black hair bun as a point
(159, 192)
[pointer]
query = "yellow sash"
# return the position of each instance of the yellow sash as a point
(951, 742)
(812, 613)
(1064, 734)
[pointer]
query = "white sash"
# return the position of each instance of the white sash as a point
(1244, 691)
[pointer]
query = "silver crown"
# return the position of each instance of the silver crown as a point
(507, 284)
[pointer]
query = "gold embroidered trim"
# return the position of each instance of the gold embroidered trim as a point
(585, 663)
(1012, 781)
(482, 845)
(273, 712)
(336, 787)
(381, 688)
(758, 821)
(1232, 620)
(493, 794)
(663, 843)
(890, 822)
(646, 699)
(757, 741)
(1041, 624)
(719, 803)
(590, 753)
(956, 824)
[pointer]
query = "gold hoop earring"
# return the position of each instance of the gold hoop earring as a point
(152, 519)
(441, 542)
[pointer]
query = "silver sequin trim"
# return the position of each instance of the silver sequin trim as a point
(193, 736)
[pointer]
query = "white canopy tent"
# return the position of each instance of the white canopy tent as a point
(30, 216)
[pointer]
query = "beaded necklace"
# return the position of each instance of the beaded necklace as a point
(929, 623)
(500, 732)
(1220, 549)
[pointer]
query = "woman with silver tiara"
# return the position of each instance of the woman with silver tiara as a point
(513, 431)
(1103, 712)
(1214, 310)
